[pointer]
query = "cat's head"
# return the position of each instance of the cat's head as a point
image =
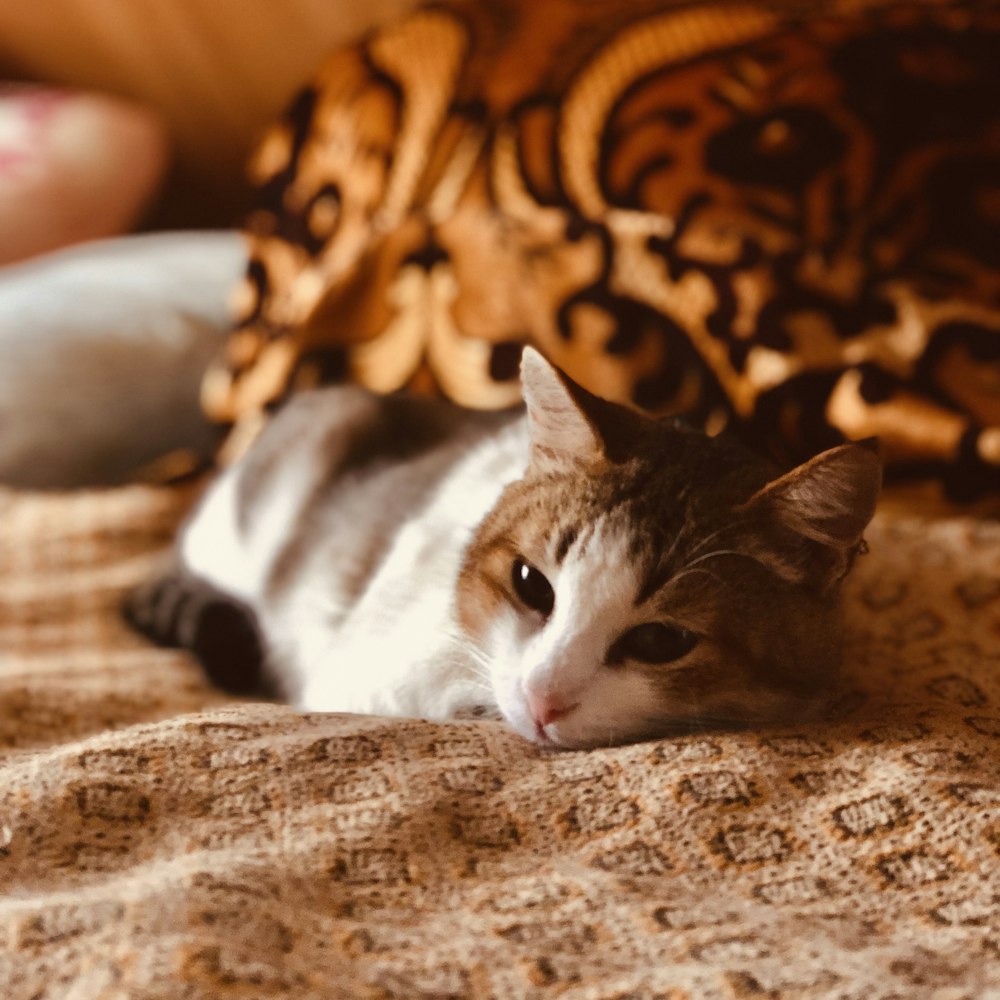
(643, 578)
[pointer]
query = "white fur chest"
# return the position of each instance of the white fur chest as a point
(398, 650)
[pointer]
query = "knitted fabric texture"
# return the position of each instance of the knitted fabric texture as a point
(159, 842)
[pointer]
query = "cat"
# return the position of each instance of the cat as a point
(592, 574)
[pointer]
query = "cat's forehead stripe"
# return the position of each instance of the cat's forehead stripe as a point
(601, 552)
(566, 540)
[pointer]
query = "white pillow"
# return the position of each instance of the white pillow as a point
(102, 349)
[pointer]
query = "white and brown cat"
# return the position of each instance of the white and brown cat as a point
(596, 575)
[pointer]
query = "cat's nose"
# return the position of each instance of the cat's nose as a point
(546, 708)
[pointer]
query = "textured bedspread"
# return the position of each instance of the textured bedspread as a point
(159, 842)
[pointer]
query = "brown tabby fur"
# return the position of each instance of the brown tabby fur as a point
(749, 560)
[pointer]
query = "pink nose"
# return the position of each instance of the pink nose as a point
(547, 708)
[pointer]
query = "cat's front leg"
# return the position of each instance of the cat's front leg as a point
(178, 610)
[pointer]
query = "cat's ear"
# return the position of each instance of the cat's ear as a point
(826, 503)
(569, 425)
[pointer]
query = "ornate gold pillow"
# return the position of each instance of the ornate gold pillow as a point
(780, 218)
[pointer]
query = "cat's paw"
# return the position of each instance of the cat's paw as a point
(179, 611)
(161, 609)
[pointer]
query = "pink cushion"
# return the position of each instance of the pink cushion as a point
(73, 167)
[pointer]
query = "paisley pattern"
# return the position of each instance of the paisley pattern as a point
(156, 843)
(777, 217)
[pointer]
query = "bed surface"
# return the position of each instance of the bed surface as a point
(158, 841)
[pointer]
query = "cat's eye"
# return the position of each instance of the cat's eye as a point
(532, 588)
(654, 642)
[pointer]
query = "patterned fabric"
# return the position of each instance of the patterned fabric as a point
(245, 852)
(778, 216)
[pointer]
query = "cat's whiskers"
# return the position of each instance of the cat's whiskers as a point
(708, 539)
(477, 660)
(689, 525)
(722, 552)
(465, 645)
(482, 680)
(480, 686)
(698, 569)
(685, 530)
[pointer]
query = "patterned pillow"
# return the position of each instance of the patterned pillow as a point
(783, 218)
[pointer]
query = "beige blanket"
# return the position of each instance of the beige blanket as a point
(158, 842)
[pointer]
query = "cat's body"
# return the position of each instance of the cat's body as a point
(344, 529)
(596, 575)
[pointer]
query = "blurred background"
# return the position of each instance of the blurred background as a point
(117, 117)
(215, 70)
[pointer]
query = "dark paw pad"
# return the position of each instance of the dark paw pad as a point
(227, 643)
(178, 611)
